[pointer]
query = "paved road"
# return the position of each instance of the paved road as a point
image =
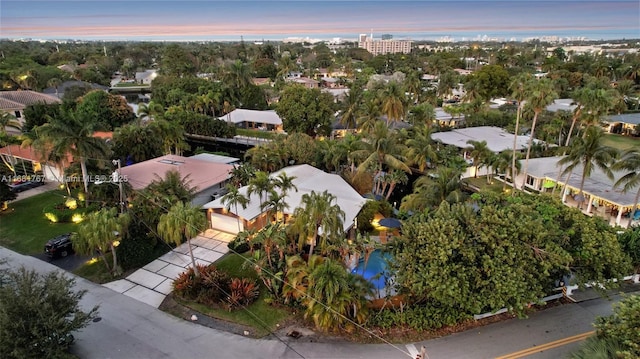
(130, 329)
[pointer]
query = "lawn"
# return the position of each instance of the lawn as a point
(259, 315)
(24, 228)
(481, 183)
(621, 142)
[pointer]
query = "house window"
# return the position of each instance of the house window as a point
(18, 114)
(530, 180)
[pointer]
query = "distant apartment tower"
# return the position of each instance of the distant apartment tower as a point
(385, 46)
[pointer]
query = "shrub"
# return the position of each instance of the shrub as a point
(215, 285)
(419, 317)
(209, 288)
(238, 245)
(135, 252)
(187, 285)
(38, 313)
(243, 292)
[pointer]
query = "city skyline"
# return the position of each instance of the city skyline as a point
(276, 20)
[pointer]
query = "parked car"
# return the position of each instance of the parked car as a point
(59, 246)
(21, 186)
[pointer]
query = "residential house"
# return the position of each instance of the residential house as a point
(146, 77)
(598, 198)
(626, 124)
(254, 119)
(304, 81)
(60, 90)
(207, 177)
(14, 102)
(306, 179)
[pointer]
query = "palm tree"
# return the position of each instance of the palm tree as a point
(370, 116)
(318, 217)
(182, 222)
(443, 185)
(70, 134)
(393, 102)
(422, 114)
(629, 161)
(381, 149)
(519, 94)
(540, 94)
(351, 106)
(331, 297)
(233, 197)
(101, 231)
(479, 153)
(589, 152)
(395, 177)
(261, 184)
(502, 163)
(421, 149)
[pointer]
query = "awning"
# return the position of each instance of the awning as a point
(549, 184)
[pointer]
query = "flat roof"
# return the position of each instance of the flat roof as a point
(241, 115)
(497, 139)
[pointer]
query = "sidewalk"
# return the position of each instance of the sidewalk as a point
(153, 282)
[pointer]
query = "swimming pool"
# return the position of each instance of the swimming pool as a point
(375, 270)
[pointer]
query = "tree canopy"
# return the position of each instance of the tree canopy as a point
(306, 110)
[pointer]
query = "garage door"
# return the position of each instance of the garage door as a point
(225, 223)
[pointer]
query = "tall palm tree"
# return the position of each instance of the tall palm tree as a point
(350, 106)
(589, 152)
(393, 102)
(182, 222)
(370, 116)
(318, 217)
(518, 92)
(234, 197)
(629, 161)
(540, 94)
(70, 134)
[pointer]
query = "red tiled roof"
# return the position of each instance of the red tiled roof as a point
(27, 153)
(10, 105)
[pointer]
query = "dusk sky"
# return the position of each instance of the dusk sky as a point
(275, 20)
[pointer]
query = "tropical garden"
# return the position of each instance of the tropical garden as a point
(460, 252)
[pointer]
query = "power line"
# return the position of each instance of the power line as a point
(304, 294)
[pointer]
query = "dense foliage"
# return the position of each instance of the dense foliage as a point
(502, 253)
(38, 314)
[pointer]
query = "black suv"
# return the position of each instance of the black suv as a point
(59, 246)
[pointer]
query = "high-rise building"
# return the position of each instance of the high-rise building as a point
(383, 47)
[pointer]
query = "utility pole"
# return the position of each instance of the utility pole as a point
(117, 177)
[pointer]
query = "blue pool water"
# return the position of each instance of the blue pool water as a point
(374, 271)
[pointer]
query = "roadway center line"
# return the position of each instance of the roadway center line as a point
(538, 348)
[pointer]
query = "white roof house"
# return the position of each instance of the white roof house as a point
(497, 139)
(307, 179)
(253, 119)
